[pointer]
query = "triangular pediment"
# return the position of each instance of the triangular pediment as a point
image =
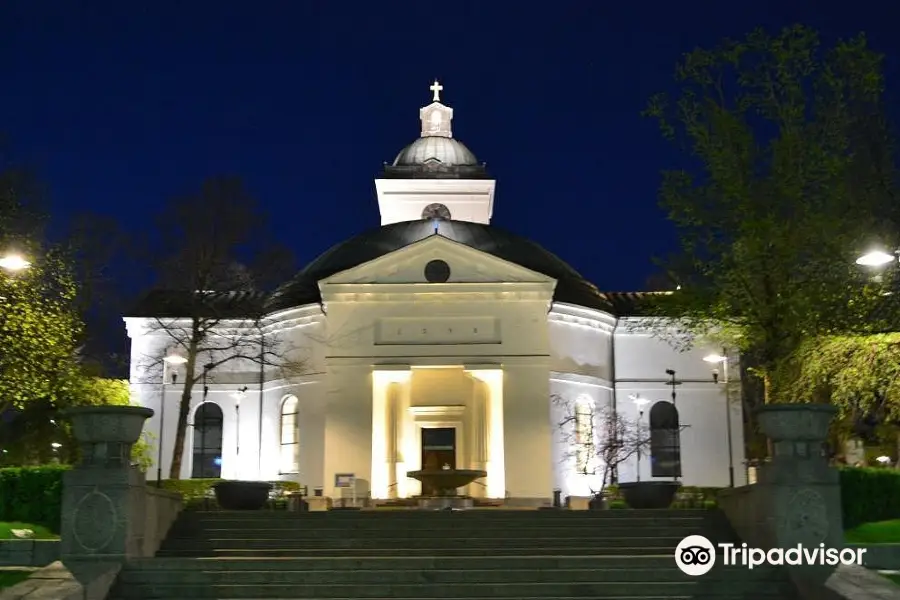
(408, 265)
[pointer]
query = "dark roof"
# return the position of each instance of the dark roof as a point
(571, 287)
(169, 304)
(636, 304)
(303, 288)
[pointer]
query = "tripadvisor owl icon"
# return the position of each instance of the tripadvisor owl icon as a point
(695, 555)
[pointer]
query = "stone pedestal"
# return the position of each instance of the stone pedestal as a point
(103, 495)
(319, 503)
(444, 503)
(800, 492)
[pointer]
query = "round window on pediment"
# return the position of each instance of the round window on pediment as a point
(436, 211)
(437, 271)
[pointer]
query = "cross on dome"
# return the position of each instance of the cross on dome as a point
(436, 88)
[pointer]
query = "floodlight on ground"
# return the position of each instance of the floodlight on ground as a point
(175, 358)
(715, 358)
(639, 401)
(14, 262)
(875, 258)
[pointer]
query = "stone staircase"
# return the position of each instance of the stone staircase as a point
(472, 555)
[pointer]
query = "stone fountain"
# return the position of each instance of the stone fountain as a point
(446, 483)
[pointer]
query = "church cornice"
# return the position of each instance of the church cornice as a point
(582, 380)
(463, 360)
(570, 314)
(437, 293)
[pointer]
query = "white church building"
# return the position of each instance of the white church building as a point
(438, 340)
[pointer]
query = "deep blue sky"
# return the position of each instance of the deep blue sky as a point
(120, 106)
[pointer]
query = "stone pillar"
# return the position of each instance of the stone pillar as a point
(103, 495)
(393, 402)
(800, 491)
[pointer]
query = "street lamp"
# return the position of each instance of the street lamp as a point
(173, 357)
(238, 396)
(723, 359)
(640, 403)
(876, 258)
(13, 262)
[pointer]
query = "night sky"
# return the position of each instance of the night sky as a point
(120, 107)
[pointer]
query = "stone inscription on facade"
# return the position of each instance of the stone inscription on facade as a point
(437, 330)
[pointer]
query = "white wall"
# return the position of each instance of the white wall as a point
(642, 359)
(580, 341)
(402, 200)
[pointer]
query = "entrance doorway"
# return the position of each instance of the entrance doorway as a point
(438, 451)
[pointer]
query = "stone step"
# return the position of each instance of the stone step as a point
(429, 576)
(217, 590)
(412, 529)
(432, 561)
(396, 552)
(505, 515)
(694, 595)
(436, 542)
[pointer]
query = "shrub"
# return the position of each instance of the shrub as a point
(32, 495)
(869, 494)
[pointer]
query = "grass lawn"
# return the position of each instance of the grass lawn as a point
(879, 532)
(40, 533)
(895, 577)
(11, 578)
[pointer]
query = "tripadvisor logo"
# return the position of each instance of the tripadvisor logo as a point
(695, 555)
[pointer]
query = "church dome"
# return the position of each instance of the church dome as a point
(571, 287)
(445, 150)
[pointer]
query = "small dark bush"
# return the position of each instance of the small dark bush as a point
(32, 495)
(869, 494)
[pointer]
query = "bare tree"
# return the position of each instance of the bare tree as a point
(599, 440)
(212, 307)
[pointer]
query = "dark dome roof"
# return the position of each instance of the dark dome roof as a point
(570, 287)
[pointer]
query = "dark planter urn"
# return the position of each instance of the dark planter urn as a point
(598, 502)
(649, 494)
(242, 495)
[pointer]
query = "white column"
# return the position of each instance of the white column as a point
(407, 455)
(494, 459)
(393, 400)
(383, 454)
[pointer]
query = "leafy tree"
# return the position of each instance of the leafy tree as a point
(38, 333)
(859, 374)
(217, 315)
(791, 176)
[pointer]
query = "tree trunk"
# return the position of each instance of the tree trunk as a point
(897, 462)
(184, 409)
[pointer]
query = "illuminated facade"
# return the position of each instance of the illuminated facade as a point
(438, 341)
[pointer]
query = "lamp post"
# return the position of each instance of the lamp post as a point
(173, 357)
(640, 403)
(238, 396)
(723, 360)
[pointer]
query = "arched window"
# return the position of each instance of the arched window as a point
(665, 441)
(584, 434)
(207, 455)
(290, 444)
